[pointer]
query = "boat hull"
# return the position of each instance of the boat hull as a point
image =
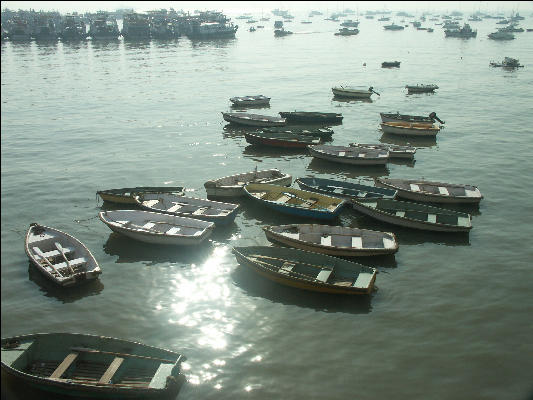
(215, 189)
(295, 142)
(390, 117)
(408, 131)
(363, 94)
(380, 159)
(253, 122)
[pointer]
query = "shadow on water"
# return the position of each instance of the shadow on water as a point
(137, 44)
(350, 100)
(214, 42)
(408, 140)
(241, 108)
(64, 294)
(346, 170)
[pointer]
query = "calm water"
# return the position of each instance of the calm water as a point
(452, 318)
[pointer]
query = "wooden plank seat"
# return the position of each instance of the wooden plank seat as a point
(111, 370)
(173, 230)
(159, 380)
(52, 253)
(286, 267)
(73, 263)
(200, 211)
(150, 203)
(148, 225)
(42, 237)
(324, 275)
(62, 368)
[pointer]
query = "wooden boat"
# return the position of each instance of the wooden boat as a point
(250, 100)
(81, 365)
(414, 215)
(307, 270)
(323, 133)
(208, 210)
(59, 256)
(333, 240)
(410, 129)
(295, 201)
(397, 117)
(344, 190)
(395, 151)
(350, 155)
(433, 192)
(421, 88)
(158, 228)
(253, 119)
(390, 64)
(232, 186)
(311, 117)
(278, 139)
(126, 195)
(352, 92)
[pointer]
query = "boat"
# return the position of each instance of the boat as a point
(311, 117)
(103, 27)
(344, 189)
(73, 28)
(393, 27)
(293, 201)
(434, 192)
(192, 207)
(352, 92)
(127, 195)
(395, 150)
(347, 32)
(338, 241)
(250, 100)
(210, 25)
(282, 32)
(410, 129)
(350, 155)
(82, 365)
(323, 133)
(157, 228)
(390, 64)
(253, 119)
(465, 32)
(60, 257)
(414, 215)
(280, 139)
(507, 62)
(136, 26)
(395, 117)
(307, 270)
(501, 35)
(350, 23)
(421, 88)
(232, 186)
(430, 29)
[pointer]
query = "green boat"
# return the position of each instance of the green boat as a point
(127, 195)
(322, 133)
(81, 365)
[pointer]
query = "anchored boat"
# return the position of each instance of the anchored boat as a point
(350, 155)
(344, 190)
(410, 129)
(127, 195)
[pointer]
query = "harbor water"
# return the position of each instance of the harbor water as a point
(452, 316)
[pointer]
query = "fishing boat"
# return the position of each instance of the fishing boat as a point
(338, 241)
(350, 155)
(501, 35)
(421, 88)
(295, 201)
(395, 151)
(232, 186)
(157, 228)
(307, 270)
(60, 257)
(344, 190)
(253, 119)
(279, 139)
(323, 133)
(465, 32)
(81, 365)
(390, 64)
(393, 27)
(507, 62)
(311, 117)
(414, 215)
(433, 192)
(347, 32)
(410, 129)
(353, 92)
(395, 117)
(127, 195)
(250, 100)
(192, 207)
(281, 32)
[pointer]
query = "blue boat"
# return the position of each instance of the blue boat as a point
(295, 201)
(345, 190)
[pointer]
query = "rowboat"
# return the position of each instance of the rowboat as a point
(344, 190)
(390, 64)
(395, 151)
(192, 207)
(253, 119)
(323, 133)
(414, 215)
(81, 365)
(421, 88)
(158, 228)
(126, 195)
(311, 117)
(59, 256)
(279, 139)
(232, 186)
(333, 240)
(250, 100)
(434, 192)
(410, 129)
(350, 155)
(307, 270)
(397, 117)
(352, 92)
(295, 201)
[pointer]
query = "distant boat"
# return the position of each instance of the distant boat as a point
(410, 129)
(311, 117)
(253, 119)
(127, 195)
(323, 133)
(307, 270)
(282, 32)
(395, 151)
(350, 155)
(393, 27)
(333, 240)
(83, 365)
(250, 100)
(507, 62)
(465, 32)
(501, 35)
(344, 189)
(397, 117)
(352, 92)
(347, 32)
(390, 64)
(60, 257)
(421, 88)
(280, 139)
(350, 23)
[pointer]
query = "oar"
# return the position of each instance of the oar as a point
(41, 254)
(60, 248)
(371, 89)
(86, 350)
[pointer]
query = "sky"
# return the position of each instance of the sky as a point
(295, 7)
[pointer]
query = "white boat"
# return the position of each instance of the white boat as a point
(250, 100)
(433, 192)
(350, 155)
(501, 35)
(158, 228)
(395, 151)
(353, 92)
(397, 117)
(421, 88)
(232, 186)
(59, 256)
(253, 119)
(333, 240)
(410, 129)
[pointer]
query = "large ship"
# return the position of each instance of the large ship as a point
(103, 27)
(464, 32)
(136, 27)
(73, 28)
(44, 27)
(18, 30)
(210, 24)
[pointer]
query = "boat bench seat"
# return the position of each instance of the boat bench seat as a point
(363, 280)
(150, 203)
(40, 238)
(286, 267)
(62, 368)
(53, 253)
(173, 230)
(110, 372)
(323, 275)
(73, 263)
(159, 379)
